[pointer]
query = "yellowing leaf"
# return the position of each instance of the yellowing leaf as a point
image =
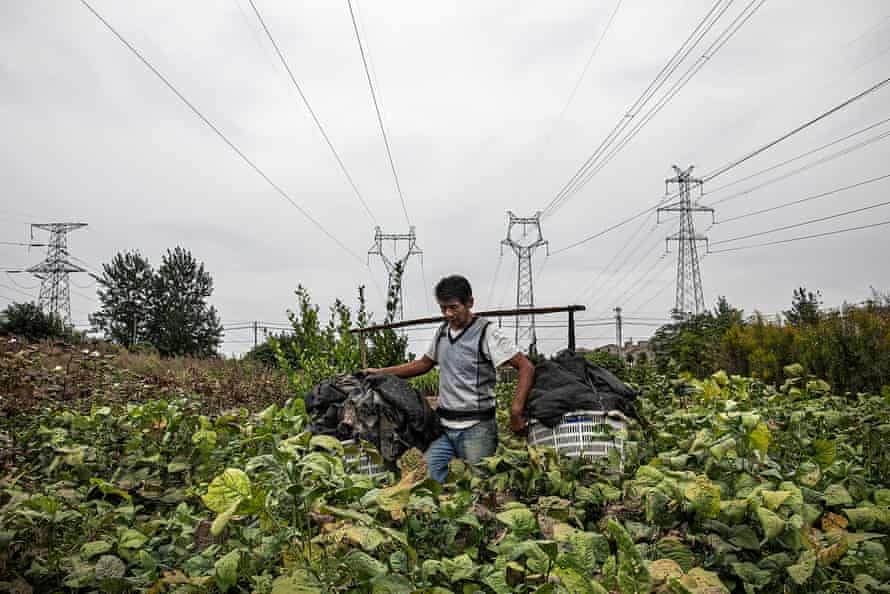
(704, 496)
(760, 438)
(772, 524)
(773, 499)
(226, 490)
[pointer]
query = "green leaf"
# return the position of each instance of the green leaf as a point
(204, 439)
(363, 565)
(227, 570)
(802, 571)
(751, 574)
(459, 568)
(96, 547)
(520, 520)
(131, 539)
(825, 451)
(299, 582)
(869, 518)
(794, 370)
(743, 536)
(771, 523)
(226, 490)
(837, 495)
(391, 584)
(326, 442)
(176, 467)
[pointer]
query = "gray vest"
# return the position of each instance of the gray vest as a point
(466, 375)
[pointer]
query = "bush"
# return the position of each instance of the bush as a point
(28, 320)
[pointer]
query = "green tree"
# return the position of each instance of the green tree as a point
(28, 320)
(181, 322)
(805, 307)
(124, 289)
(609, 362)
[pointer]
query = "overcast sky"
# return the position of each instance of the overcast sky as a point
(472, 95)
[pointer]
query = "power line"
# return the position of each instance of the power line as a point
(801, 238)
(800, 128)
(217, 131)
(807, 199)
(392, 163)
(17, 290)
(806, 167)
(593, 53)
(808, 153)
(709, 53)
(809, 222)
(864, 143)
(597, 280)
(311, 111)
(574, 184)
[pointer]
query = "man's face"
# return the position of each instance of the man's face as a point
(457, 314)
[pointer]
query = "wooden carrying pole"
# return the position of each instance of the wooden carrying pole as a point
(494, 313)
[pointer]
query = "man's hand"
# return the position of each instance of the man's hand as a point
(371, 370)
(518, 423)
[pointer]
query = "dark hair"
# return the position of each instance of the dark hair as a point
(454, 287)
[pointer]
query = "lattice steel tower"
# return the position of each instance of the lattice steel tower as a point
(55, 297)
(689, 299)
(524, 247)
(395, 265)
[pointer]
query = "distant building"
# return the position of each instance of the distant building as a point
(632, 353)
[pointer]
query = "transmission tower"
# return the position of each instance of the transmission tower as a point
(395, 265)
(524, 245)
(53, 272)
(689, 299)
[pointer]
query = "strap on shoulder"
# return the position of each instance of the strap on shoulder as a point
(482, 334)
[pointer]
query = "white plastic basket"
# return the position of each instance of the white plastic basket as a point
(582, 433)
(356, 460)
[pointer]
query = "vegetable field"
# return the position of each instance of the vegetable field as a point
(728, 485)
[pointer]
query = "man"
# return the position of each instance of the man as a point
(467, 349)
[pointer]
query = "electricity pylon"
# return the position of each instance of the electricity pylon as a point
(524, 247)
(689, 299)
(395, 265)
(55, 296)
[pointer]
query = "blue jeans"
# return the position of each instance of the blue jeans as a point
(471, 444)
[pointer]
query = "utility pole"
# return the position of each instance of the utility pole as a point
(689, 299)
(55, 296)
(255, 334)
(524, 246)
(395, 265)
(619, 332)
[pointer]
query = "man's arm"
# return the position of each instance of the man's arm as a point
(526, 370)
(406, 370)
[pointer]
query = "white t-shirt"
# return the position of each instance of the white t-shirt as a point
(497, 346)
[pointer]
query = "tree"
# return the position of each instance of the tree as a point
(180, 320)
(804, 307)
(28, 320)
(125, 289)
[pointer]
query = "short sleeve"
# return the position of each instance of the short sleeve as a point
(431, 349)
(500, 348)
